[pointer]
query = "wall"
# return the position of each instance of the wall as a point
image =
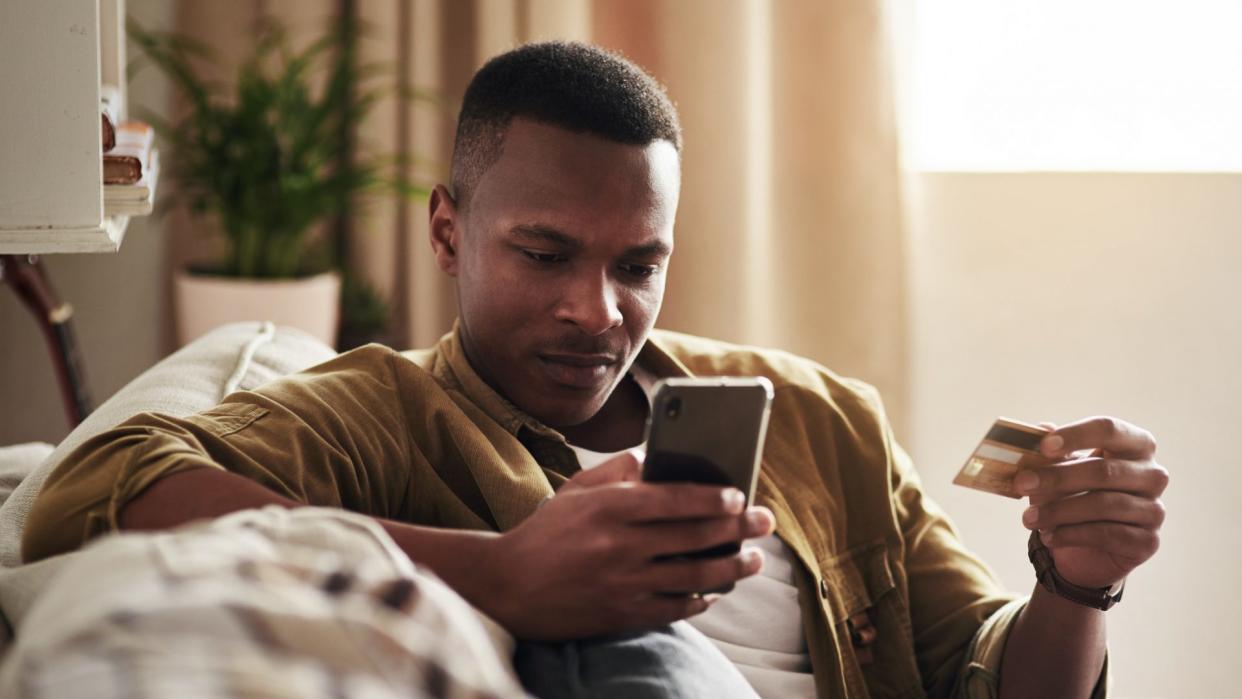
(1057, 296)
(118, 300)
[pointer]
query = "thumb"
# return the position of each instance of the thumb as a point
(626, 466)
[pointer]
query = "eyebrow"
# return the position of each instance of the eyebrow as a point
(546, 234)
(552, 236)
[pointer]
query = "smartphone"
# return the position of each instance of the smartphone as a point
(708, 430)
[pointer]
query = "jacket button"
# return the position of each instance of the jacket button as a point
(823, 588)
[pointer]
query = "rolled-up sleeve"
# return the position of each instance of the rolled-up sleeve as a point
(334, 435)
(980, 676)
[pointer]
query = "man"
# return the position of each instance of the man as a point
(558, 231)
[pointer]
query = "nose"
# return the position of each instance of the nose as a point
(590, 303)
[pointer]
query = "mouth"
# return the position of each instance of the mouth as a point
(582, 372)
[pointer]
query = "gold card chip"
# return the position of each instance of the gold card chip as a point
(1008, 447)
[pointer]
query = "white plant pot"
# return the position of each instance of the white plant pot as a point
(204, 302)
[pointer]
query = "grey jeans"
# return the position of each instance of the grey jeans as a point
(675, 661)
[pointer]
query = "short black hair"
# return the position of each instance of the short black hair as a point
(571, 85)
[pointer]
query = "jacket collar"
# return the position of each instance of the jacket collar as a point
(454, 368)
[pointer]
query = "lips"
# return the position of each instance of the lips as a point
(577, 371)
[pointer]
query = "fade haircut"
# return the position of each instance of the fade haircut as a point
(566, 84)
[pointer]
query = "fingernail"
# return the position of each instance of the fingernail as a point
(755, 519)
(1052, 444)
(1026, 481)
(734, 500)
(1031, 516)
(752, 559)
(1046, 537)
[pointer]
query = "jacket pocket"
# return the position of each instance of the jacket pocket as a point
(228, 418)
(872, 620)
(860, 577)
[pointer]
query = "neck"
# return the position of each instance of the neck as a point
(618, 425)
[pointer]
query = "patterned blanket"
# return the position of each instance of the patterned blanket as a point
(263, 603)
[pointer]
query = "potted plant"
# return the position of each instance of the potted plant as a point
(270, 158)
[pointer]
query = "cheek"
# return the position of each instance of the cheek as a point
(641, 307)
(499, 290)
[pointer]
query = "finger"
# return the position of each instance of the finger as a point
(1096, 506)
(664, 538)
(649, 502)
(660, 610)
(1118, 437)
(697, 575)
(626, 466)
(1143, 478)
(1135, 544)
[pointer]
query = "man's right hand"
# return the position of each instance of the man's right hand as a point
(587, 562)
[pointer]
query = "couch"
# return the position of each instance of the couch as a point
(64, 611)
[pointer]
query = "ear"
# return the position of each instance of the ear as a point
(445, 229)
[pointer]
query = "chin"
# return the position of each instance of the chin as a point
(563, 414)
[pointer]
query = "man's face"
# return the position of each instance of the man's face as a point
(560, 260)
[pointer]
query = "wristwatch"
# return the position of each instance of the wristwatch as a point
(1101, 598)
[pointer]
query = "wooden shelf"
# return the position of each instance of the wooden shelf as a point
(51, 175)
(46, 241)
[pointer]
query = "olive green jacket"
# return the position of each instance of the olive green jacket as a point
(892, 602)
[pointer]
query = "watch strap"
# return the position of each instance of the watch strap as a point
(1101, 598)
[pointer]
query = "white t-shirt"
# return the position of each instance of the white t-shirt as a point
(758, 626)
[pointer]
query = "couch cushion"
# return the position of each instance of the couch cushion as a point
(17, 462)
(188, 381)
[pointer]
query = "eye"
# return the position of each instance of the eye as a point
(544, 258)
(640, 271)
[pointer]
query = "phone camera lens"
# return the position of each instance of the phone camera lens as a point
(672, 408)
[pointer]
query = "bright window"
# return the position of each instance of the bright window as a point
(1105, 85)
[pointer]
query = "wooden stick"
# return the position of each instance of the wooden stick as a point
(26, 276)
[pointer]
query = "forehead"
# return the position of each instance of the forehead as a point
(554, 175)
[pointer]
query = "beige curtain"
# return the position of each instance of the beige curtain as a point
(438, 44)
(790, 228)
(790, 232)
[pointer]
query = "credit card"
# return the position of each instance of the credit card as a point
(1008, 447)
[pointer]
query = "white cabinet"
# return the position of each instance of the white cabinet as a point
(55, 55)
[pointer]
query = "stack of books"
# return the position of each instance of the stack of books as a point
(130, 164)
(131, 170)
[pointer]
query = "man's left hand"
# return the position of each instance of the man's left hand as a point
(1098, 507)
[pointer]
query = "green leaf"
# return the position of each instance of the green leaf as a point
(265, 154)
